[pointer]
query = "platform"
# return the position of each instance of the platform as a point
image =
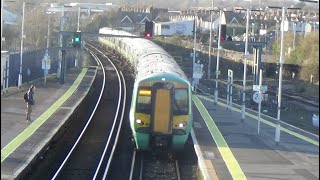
(232, 149)
(21, 141)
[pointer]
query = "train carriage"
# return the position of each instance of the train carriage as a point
(160, 114)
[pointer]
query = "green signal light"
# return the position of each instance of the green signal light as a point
(76, 39)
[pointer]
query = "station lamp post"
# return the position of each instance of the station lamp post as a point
(243, 106)
(194, 48)
(48, 32)
(294, 35)
(21, 45)
(210, 40)
(218, 58)
(278, 126)
(2, 21)
(218, 54)
(46, 56)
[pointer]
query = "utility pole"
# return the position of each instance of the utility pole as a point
(277, 133)
(218, 56)
(2, 21)
(210, 41)
(79, 9)
(278, 127)
(21, 47)
(48, 33)
(294, 35)
(46, 56)
(61, 43)
(194, 48)
(243, 107)
(78, 30)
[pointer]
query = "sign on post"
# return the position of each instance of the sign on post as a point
(263, 88)
(256, 97)
(46, 65)
(229, 89)
(197, 74)
(46, 62)
(197, 70)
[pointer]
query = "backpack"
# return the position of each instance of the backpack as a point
(25, 97)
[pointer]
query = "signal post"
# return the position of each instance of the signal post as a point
(76, 43)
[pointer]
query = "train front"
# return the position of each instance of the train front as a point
(161, 116)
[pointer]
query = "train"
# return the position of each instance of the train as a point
(160, 113)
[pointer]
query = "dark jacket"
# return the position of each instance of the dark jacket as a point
(30, 97)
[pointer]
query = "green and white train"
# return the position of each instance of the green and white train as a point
(160, 114)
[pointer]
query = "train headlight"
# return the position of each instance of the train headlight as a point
(138, 121)
(182, 124)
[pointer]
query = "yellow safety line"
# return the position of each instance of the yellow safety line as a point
(269, 123)
(17, 141)
(231, 162)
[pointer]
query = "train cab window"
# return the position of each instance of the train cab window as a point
(180, 106)
(144, 101)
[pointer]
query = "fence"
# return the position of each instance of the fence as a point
(33, 62)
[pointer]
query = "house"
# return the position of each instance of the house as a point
(9, 17)
(131, 20)
(174, 27)
(135, 17)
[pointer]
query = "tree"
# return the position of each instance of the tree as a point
(106, 19)
(305, 54)
(35, 29)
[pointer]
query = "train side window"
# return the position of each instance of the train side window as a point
(144, 101)
(180, 105)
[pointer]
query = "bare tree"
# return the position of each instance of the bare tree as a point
(36, 22)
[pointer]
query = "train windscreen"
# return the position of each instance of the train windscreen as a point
(180, 105)
(144, 101)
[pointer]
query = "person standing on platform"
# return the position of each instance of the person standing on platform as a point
(30, 102)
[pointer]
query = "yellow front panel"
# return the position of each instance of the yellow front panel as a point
(178, 119)
(162, 112)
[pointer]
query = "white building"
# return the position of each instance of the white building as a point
(300, 26)
(9, 17)
(203, 23)
(174, 27)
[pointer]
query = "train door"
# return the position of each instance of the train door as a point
(162, 94)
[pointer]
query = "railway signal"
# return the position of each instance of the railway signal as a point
(76, 40)
(223, 36)
(148, 35)
(148, 29)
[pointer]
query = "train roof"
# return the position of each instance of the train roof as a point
(107, 30)
(151, 59)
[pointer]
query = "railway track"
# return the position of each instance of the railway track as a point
(310, 100)
(95, 153)
(147, 166)
(87, 153)
(91, 152)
